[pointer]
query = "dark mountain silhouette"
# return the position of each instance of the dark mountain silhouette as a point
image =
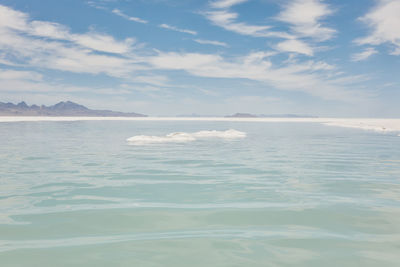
(67, 108)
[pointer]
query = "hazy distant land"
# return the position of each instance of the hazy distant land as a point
(248, 115)
(67, 108)
(71, 109)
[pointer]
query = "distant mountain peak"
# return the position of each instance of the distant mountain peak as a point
(63, 108)
(67, 106)
(22, 105)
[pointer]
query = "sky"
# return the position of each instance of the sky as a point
(327, 58)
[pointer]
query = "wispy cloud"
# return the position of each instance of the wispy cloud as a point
(227, 20)
(51, 45)
(47, 45)
(226, 3)
(173, 28)
(364, 54)
(305, 17)
(157, 80)
(96, 5)
(20, 75)
(210, 42)
(311, 77)
(295, 46)
(121, 14)
(13, 21)
(384, 23)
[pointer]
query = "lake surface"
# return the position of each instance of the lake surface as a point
(288, 194)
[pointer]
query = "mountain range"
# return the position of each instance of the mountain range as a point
(66, 108)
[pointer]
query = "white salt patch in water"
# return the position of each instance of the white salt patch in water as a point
(169, 138)
(229, 134)
(377, 125)
(182, 137)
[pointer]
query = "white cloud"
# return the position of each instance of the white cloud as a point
(364, 54)
(305, 17)
(186, 61)
(384, 23)
(96, 4)
(12, 19)
(210, 42)
(173, 28)
(225, 3)
(61, 56)
(20, 75)
(157, 80)
(14, 23)
(295, 46)
(52, 45)
(103, 42)
(47, 29)
(227, 20)
(309, 77)
(121, 14)
(144, 89)
(28, 82)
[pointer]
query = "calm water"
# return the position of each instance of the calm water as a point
(303, 194)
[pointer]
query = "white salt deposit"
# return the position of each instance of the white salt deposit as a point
(377, 125)
(182, 137)
(229, 134)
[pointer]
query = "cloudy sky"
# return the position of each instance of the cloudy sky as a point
(169, 57)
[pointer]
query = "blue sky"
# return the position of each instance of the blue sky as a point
(217, 57)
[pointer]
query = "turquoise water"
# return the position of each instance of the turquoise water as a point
(289, 194)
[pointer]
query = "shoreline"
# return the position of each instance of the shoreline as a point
(378, 125)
